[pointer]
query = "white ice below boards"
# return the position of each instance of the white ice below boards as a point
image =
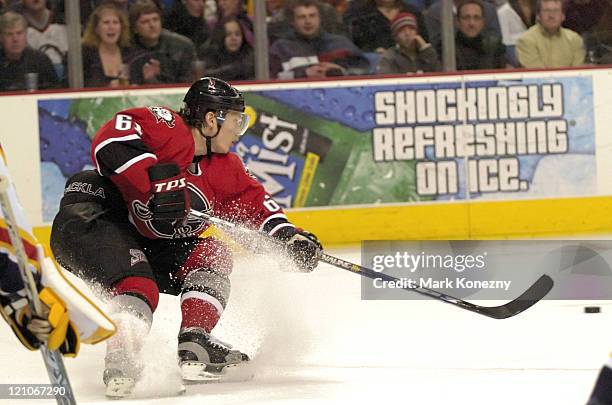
(313, 340)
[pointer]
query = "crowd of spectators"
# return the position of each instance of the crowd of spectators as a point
(135, 42)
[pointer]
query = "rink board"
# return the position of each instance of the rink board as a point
(444, 156)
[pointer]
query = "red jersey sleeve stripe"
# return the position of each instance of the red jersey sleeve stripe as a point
(133, 161)
(119, 154)
(111, 140)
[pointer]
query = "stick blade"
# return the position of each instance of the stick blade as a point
(526, 300)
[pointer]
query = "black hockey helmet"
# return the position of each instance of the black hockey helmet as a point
(210, 94)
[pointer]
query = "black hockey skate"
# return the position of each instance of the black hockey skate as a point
(203, 358)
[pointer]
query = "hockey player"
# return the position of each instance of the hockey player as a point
(126, 225)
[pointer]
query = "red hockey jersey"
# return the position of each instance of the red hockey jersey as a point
(136, 139)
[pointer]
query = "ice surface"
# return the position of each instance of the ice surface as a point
(313, 340)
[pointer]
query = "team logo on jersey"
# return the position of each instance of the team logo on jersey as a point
(172, 229)
(162, 114)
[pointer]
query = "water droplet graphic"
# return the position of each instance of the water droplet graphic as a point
(349, 112)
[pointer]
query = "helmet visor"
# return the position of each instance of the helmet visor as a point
(236, 122)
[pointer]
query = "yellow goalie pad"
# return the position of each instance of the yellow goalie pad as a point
(68, 304)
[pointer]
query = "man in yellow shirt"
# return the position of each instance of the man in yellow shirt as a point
(548, 45)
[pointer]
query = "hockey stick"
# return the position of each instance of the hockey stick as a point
(53, 359)
(528, 298)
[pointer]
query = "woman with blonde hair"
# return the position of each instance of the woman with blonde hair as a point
(106, 47)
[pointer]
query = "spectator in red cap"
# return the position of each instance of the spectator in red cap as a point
(411, 54)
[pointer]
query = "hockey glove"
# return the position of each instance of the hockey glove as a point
(170, 201)
(304, 248)
(54, 329)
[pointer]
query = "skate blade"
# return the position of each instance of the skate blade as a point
(238, 373)
(195, 373)
(119, 387)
